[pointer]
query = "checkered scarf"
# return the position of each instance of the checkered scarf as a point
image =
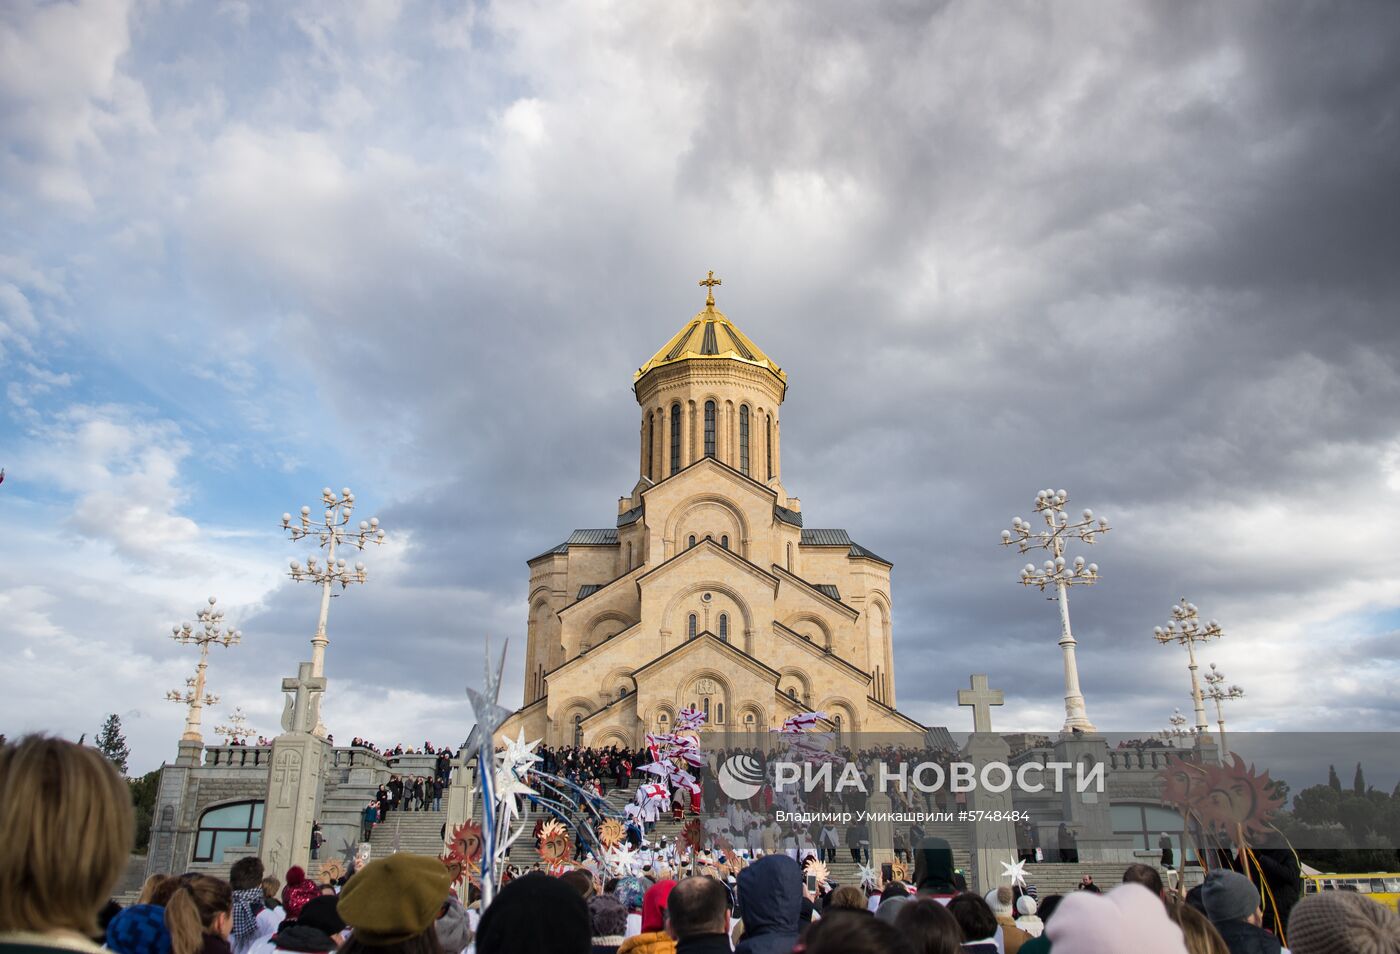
(247, 902)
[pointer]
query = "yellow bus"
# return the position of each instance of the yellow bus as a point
(1378, 886)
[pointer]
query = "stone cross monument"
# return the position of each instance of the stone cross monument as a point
(993, 825)
(294, 783)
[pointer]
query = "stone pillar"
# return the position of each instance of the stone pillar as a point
(1087, 813)
(294, 782)
(881, 828)
(459, 793)
(993, 840)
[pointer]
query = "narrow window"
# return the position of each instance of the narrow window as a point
(706, 706)
(675, 438)
(692, 540)
(709, 428)
(838, 726)
(646, 446)
(690, 627)
(724, 627)
(768, 444)
(744, 438)
(719, 713)
(724, 541)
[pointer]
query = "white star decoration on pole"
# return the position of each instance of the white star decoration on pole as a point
(869, 878)
(1016, 871)
(519, 754)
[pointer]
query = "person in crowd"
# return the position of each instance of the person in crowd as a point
(697, 916)
(139, 929)
(148, 888)
(199, 916)
(581, 881)
(392, 904)
(1200, 935)
(368, 819)
(1067, 844)
(1342, 922)
(1086, 883)
(629, 892)
(299, 890)
(319, 928)
(849, 932)
(978, 924)
(608, 921)
(933, 869)
(245, 878)
(1233, 905)
(653, 938)
(770, 905)
(65, 835)
(1026, 917)
(317, 840)
(513, 924)
(453, 927)
(1147, 876)
(927, 925)
(1009, 937)
(271, 888)
(438, 786)
(1164, 844)
(1128, 919)
(848, 897)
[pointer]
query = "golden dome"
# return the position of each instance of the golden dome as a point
(710, 335)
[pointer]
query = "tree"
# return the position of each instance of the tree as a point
(1333, 780)
(1358, 783)
(112, 743)
(143, 802)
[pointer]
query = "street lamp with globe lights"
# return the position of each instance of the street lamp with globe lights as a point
(1217, 690)
(1060, 574)
(1178, 729)
(1186, 628)
(211, 631)
(333, 532)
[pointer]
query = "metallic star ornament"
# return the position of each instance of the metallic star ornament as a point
(489, 715)
(508, 786)
(518, 753)
(869, 877)
(1016, 871)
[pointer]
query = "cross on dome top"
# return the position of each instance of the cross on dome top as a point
(710, 284)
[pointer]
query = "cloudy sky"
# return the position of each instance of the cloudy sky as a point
(1144, 252)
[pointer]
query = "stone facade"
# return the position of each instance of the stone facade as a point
(709, 590)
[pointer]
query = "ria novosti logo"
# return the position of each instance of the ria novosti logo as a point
(741, 777)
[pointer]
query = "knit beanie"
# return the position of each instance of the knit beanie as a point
(297, 891)
(630, 891)
(1342, 922)
(999, 900)
(454, 928)
(1025, 905)
(654, 906)
(1128, 918)
(321, 913)
(393, 899)
(139, 929)
(608, 918)
(1229, 896)
(889, 908)
(535, 912)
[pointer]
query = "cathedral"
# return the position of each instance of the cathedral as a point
(708, 590)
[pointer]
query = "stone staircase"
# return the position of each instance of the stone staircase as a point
(418, 833)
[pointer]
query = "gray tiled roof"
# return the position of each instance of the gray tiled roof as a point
(828, 590)
(588, 589)
(825, 538)
(593, 538)
(859, 551)
(629, 516)
(792, 517)
(552, 551)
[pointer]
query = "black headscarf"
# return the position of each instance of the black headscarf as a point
(537, 914)
(933, 867)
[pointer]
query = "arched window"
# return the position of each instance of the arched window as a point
(744, 438)
(629, 556)
(768, 443)
(622, 692)
(690, 627)
(228, 826)
(748, 720)
(719, 713)
(692, 540)
(705, 705)
(709, 428)
(675, 438)
(792, 693)
(837, 719)
(789, 565)
(647, 448)
(724, 541)
(724, 627)
(578, 730)
(663, 719)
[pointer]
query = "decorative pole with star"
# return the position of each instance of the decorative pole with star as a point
(490, 716)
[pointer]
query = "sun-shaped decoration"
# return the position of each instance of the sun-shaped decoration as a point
(1237, 798)
(611, 832)
(553, 842)
(693, 834)
(817, 868)
(332, 869)
(466, 839)
(1184, 783)
(899, 871)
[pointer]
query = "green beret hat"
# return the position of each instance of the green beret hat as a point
(393, 899)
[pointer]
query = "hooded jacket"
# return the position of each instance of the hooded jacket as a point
(770, 903)
(653, 939)
(933, 868)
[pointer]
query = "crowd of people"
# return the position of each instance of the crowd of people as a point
(427, 748)
(66, 827)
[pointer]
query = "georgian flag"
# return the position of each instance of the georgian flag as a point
(689, 719)
(801, 722)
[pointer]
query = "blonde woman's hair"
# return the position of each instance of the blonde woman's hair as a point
(148, 890)
(191, 911)
(1201, 936)
(65, 834)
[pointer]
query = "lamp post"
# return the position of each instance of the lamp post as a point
(211, 631)
(1217, 690)
(1186, 628)
(1050, 504)
(1178, 728)
(237, 731)
(333, 532)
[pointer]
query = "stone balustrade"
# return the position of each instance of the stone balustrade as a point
(238, 756)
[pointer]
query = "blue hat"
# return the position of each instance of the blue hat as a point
(139, 929)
